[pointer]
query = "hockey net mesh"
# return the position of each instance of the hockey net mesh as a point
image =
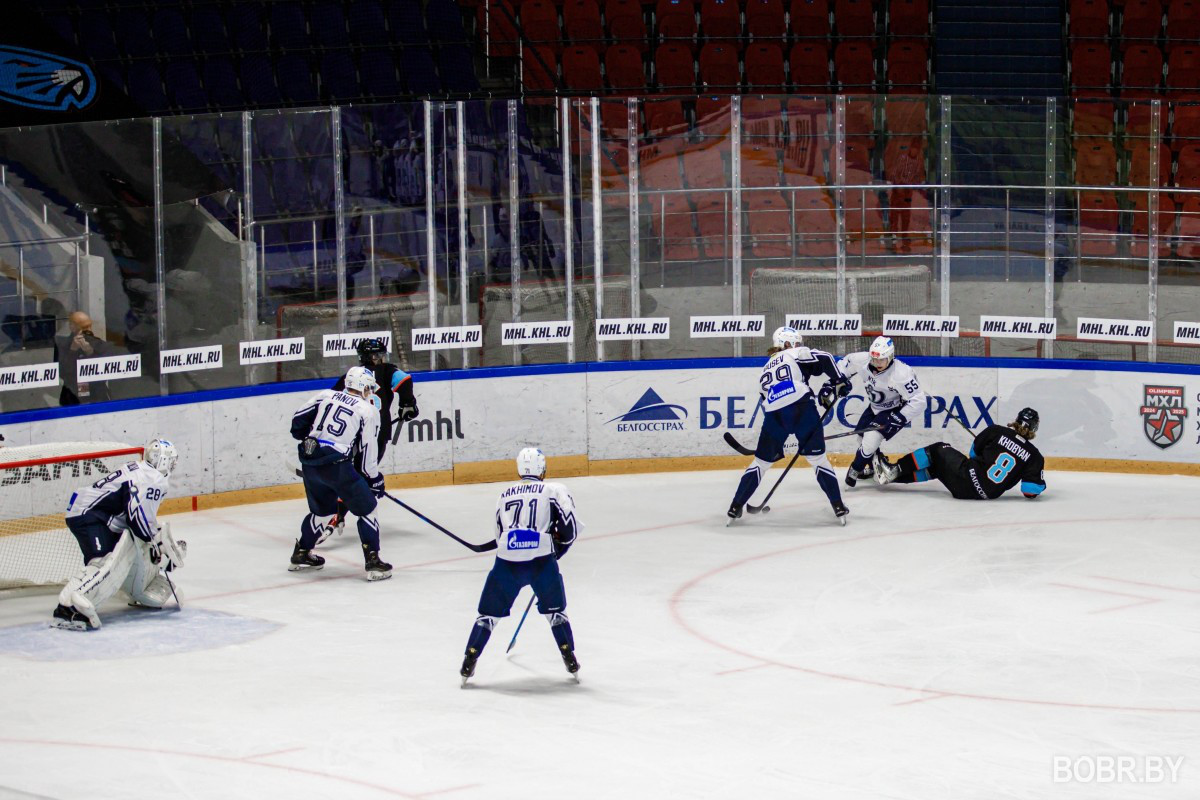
(398, 314)
(546, 301)
(36, 549)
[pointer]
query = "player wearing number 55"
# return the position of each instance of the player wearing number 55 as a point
(1001, 457)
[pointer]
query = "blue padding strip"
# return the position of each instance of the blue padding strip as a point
(922, 459)
(1032, 488)
(921, 475)
(314, 385)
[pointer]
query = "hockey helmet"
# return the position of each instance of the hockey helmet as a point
(371, 351)
(531, 463)
(785, 337)
(361, 380)
(882, 352)
(1028, 419)
(161, 454)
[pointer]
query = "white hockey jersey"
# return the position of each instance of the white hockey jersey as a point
(896, 388)
(784, 378)
(342, 422)
(128, 497)
(531, 516)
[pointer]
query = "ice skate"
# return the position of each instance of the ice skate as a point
(569, 661)
(377, 570)
(304, 559)
(853, 475)
(468, 665)
(67, 618)
(734, 512)
(841, 512)
(885, 472)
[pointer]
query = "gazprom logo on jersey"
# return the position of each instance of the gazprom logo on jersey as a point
(523, 539)
(651, 413)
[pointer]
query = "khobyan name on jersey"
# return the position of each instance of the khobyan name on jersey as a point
(650, 413)
(1163, 415)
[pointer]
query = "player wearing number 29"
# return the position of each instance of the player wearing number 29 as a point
(339, 457)
(789, 410)
(115, 521)
(1001, 457)
(535, 526)
(895, 400)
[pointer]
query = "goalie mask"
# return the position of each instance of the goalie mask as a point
(361, 380)
(162, 455)
(531, 463)
(786, 337)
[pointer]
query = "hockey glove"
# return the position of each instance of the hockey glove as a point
(893, 423)
(831, 391)
(376, 485)
(408, 412)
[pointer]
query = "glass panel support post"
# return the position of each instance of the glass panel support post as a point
(839, 181)
(339, 214)
(430, 235)
(946, 164)
(597, 221)
(252, 273)
(735, 182)
(1049, 212)
(514, 221)
(160, 255)
(568, 222)
(1152, 228)
(635, 250)
(460, 167)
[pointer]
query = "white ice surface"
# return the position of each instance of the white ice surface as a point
(931, 649)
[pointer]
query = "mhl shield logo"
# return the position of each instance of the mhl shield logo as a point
(1163, 415)
(45, 81)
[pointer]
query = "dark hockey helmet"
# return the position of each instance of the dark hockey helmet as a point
(371, 351)
(1028, 418)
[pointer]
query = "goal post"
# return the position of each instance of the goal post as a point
(36, 548)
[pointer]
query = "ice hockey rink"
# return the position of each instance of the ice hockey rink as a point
(932, 648)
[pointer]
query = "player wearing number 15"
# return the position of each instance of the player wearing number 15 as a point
(1001, 457)
(339, 457)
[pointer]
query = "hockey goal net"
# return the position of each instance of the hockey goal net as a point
(36, 549)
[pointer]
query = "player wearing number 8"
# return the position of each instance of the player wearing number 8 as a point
(1001, 457)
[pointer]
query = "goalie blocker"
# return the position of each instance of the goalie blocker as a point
(115, 522)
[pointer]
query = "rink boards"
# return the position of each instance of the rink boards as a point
(644, 416)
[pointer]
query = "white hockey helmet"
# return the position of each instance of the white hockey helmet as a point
(785, 337)
(531, 463)
(361, 379)
(162, 455)
(882, 352)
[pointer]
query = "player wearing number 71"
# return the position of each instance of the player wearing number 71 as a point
(1001, 457)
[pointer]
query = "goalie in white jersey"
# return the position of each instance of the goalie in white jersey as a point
(115, 521)
(339, 440)
(895, 399)
(535, 526)
(789, 410)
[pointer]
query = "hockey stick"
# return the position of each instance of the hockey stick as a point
(399, 423)
(478, 548)
(174, 593)
(754, 509)
(519, 624)
(960, 421)
(746, 451)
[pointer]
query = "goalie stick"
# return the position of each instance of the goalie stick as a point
(478, 548)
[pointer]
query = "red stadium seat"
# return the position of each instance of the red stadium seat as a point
(581, 23)
(664, 118)
(1089, 18)
(674, 69)
(810, 19)
(1094, 117)
(765, 19)
(1183, 21)
(714, 116)
(581, 69)
(809, 62)
(626, 25)
(1099, 216)
(904, 160)
(1139, 165)
(1141, 19)
(860, 121)
(1186, 125)
(671, 218)
(764, 68)
(498, 18)
(1139, 120)
(1140, 247)
(816, 224)
(1141, 70)
(864, 217)
(623, 68)
(858, 152)
(659, 169)
(907, 67)
(704, 167)
(1183, 71)
(1091, 70)
(1095, 162)
(714, 223)
(854, 65)
(539, 21)
(760, 166)
(854, 18)
(908, 18)
(905, 117)
(769, 224)
(539, 67)
(1189, 227)
(676, 19)
(720, 20)
(1188, 175)
(719, 71)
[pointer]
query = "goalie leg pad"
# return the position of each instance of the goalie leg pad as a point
(155, 594)
(101, 578)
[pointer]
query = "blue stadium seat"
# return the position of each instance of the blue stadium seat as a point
(367, 25)
(171, 33)
(96, 34)
(329, 26)
(289, 30)
(263, 200)
(378, 73)
(258, 81)
(208, 30)
(186, 92)
(416, 63)
(272, 137)
(457, 68)
(407, 22)
(133, 33)
(220, 82)
(312, 131)
(321, 185)
(291, 186)
(146, 88)
(339, 79)
(296, 80)
(445, 21)
(248, 27)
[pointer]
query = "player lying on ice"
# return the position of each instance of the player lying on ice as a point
(115, 521)
(1001, 457)
(789, 410)
(535, 526)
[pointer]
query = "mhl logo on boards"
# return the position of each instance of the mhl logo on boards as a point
(1164, 414)
(651, 413)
